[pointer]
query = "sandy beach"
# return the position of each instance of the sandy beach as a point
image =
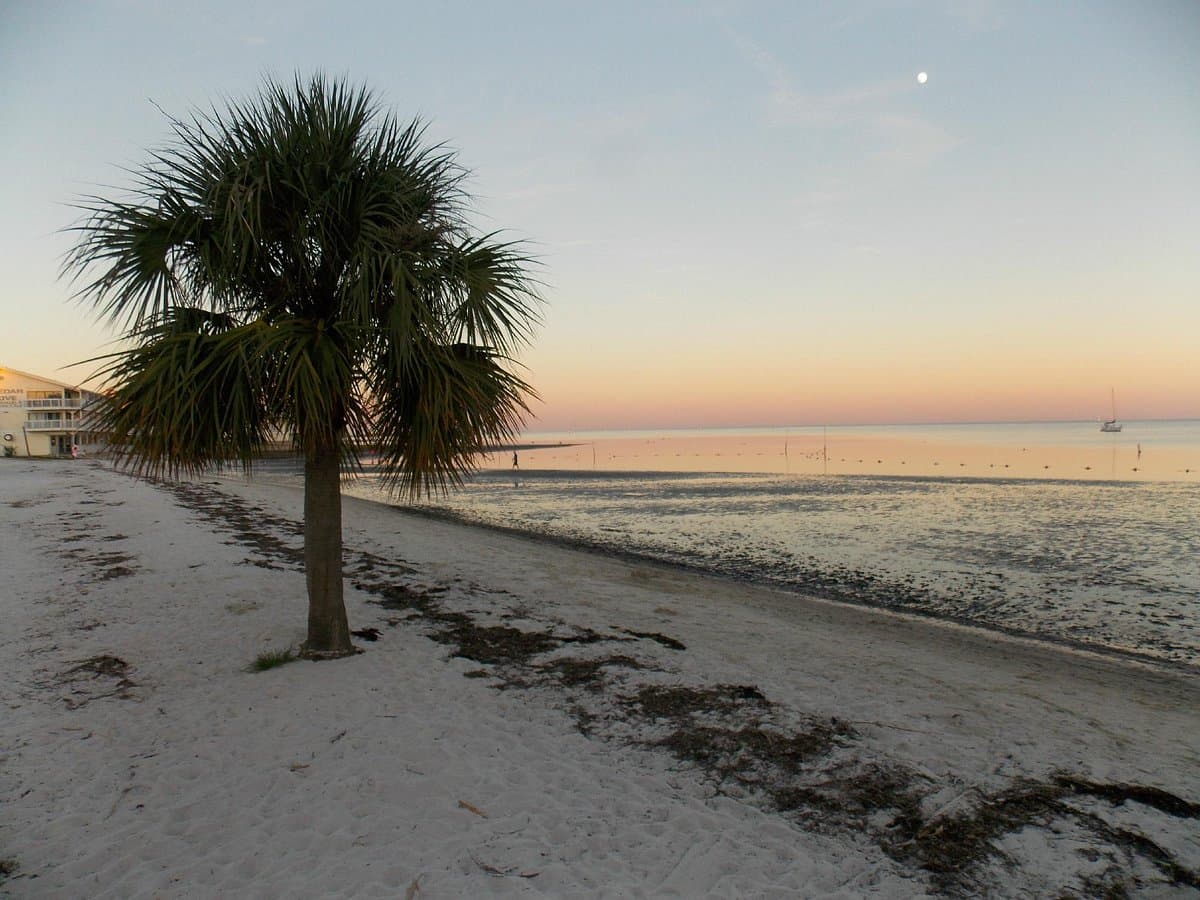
(530, 720)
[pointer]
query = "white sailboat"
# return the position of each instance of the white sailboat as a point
(1112, 424)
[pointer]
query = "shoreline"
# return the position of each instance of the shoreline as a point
(500, 472)
(801, 593)
(805, 595)
(537, 720)
(859, 594)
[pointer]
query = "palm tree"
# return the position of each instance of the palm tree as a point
(301, 264)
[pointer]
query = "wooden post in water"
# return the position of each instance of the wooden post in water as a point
(824, 449)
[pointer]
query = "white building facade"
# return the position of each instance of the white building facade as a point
(43, 417)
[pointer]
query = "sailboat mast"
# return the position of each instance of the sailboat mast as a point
(1112, 425)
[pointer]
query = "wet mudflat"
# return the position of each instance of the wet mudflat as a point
(1111, 566)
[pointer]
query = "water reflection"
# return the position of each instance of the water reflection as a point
(1167, 451)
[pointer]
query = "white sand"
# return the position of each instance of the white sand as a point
(391, 774)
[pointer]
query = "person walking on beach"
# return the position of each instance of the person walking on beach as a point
(515, 466)
(74, 451)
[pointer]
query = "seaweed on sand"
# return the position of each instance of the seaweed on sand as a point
(1118, 794)
(852, 795)
(104, 666)
(115, 572)
(587, 673)
(669, 642)
(805, 767)
(752, 755)
(494, 644)
(952, 847)
(679, 702)
(251, 527)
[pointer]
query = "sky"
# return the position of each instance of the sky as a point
(745, 213)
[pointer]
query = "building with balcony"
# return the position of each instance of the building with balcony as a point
(43, 417)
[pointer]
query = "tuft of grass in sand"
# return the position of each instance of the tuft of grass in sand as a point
(272, 659)
(7, 867)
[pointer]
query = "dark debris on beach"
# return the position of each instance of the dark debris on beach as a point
(816, 770)
(95, 678)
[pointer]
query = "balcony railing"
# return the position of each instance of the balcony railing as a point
(54, 425)
(55, 403)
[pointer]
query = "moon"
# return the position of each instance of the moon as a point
(922, 77)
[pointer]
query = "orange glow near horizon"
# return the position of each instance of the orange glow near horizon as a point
(900, 400)
(856, 248)
(948, 381)
(858, 452)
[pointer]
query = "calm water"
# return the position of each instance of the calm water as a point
(1144, 451)
(1109, 564)
(1151, 432)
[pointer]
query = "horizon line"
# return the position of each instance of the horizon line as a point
(930, 423)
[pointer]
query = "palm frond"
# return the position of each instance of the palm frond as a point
(301, 262)
(183, 398)
(496, 304)
(436, 414)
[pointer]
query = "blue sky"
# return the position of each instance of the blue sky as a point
(747, 213)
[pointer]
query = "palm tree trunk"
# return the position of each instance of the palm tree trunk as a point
(328, 627)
